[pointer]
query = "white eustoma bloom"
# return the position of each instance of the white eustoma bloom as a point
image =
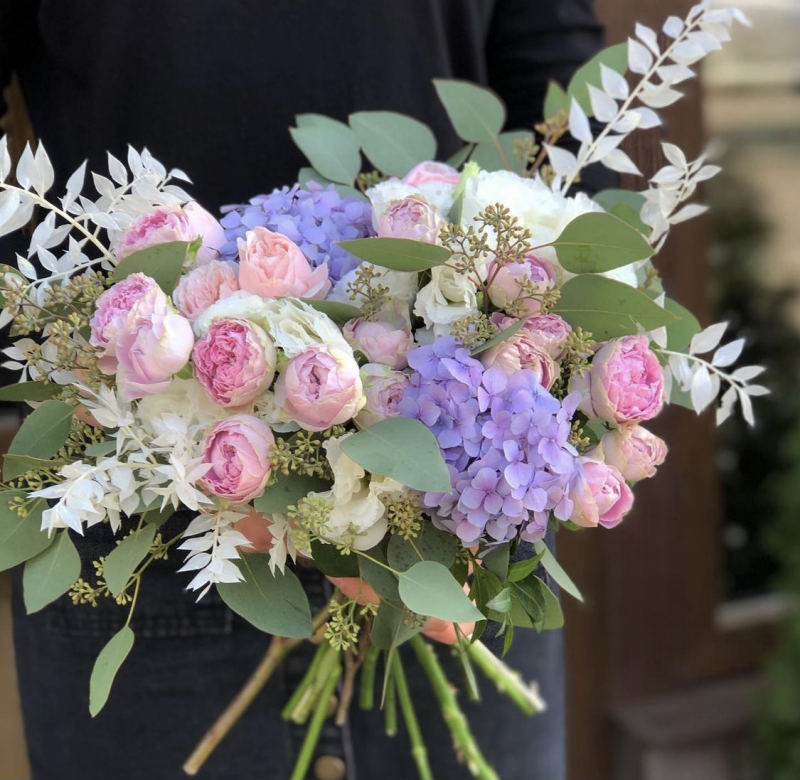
(437, 193)
(184, 397)
(449, 296)
(402, 285)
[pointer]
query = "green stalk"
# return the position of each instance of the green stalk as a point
(315, 727)
(390, 702)
(412, 724)
(366, 698)
(330, 659)
(299, 693)
(456, 720)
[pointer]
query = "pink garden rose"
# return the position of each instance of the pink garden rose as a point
(238, 449)
(506, 280)
(383, 390)
(412, 217)
(111, 313)
(272, 266)
(600, 495)
(234, 361)
(521, 351)
(386, 341)
(625, 383)
(319, 388)
(204, 286)
(634, 452)
(154, 343)
(175, 223)
(550, 332)
(428, 172)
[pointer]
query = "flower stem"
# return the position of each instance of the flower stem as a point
(366, 699)
(330, 659)
(454, 717)
(299, 694)
(508, 682)
(390, 703)
(418, 750)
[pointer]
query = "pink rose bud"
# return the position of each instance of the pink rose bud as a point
(634, 452)
(175, 223)
(427, 172)
(238, 449)
(549, 331)
(506, 282)
(625, 383)
(319, 388)
(600, 496)
(110, 314)
(386, 341)
(154, 344)
(413, 218)
(383, 389)
(522, 351)
(272, 266)
(234, 361)
(203, 286)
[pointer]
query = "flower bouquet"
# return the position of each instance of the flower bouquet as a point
(411, 375)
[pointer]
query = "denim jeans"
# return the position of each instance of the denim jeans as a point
(187, 663)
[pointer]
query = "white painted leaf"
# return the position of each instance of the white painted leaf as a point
(603, 106)
(740, 17)
(673, 27)
(707, 339)
(5, 159)
(118, 172)
(9, 202)
(604, 146)
(20, 216)
(103, 220)
(42, 174)
(23, 172)
(648, 36)
(659, 97)
(564, 162)
(674, 74)
(615, 84)
(706, 172)
(706, 41)
(702, 390)
(647, 118)
(687, 52)
(667, 174)
(626, 123)
(75, 182)
(177, 173)
(579, 123)
(26, 268)
(747, 408)
(687, 212)
(134, 162)
(618, 161)
(640, 59)
(746, 373)
(756, 390)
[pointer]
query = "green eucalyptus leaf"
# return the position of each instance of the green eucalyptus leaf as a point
(403, 449)
(625, 204)
(338, 312)
(679, 334)
(286, 491)
(17, 465)
(383, 581)
(501, 154)
(51, 573)
(428, 588)
(614, 57)
(320, 121)
(156, 516)
(476, 113)
(332, 563)
(397, 254)
(332, 149)
(275, 604)
(497, 561)
(29, 391)
(430, 545)
(555, 100)
(111, 658)
(161, 262)
(608, 309)
(21, 538)
(102, 448)
(461, 156)
(122, 561)
(498, 338)
(391, 627)
(553, 568)
(392, 142)
(42, 435)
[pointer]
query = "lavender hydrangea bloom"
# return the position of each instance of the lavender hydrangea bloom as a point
(504, 439)
(315, 218)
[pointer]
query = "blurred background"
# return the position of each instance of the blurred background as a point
(684, 664)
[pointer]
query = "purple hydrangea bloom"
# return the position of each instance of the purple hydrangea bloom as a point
(315, 218)
(504, 439)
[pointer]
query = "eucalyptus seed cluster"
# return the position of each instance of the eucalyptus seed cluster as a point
(529, 290)
(575, 362)
(368, 292)
(473, 330)
(404, 515)
(303, 453)
(309, 519)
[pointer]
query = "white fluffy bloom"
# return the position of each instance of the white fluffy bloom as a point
(295, 326)
(402, 285)
(184, 397)
(438, 194)
(448, 297)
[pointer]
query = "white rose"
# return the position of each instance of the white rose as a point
(448, 297)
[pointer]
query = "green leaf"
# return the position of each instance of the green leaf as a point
(461, 156)
(106, 667)
(485, 586)
(332, 563)
(383, 581)
(51, 573)
(17, 465)
(553, 568)
(499, 337)
(331, 148)
(21, 538)
(476, 113)
(519, 570)
(392, 142)
(431, 544)
(679, 334)
(102, 448)
(305, 175)
(286, 491)
(338, 312)
(29, 391)
(532, 600)
(126, 556)
(625, 204)
(614, 57)
(598, 242)
(275, 604)
(501, 603)
(555, 100)
(43, 433)
(497, 561)
(398, 254)
(403, 449)
(391, 627)
(553, 614)
(161, 262)
(156, 516)
(608, 309)
(490, 158)
(428, 588)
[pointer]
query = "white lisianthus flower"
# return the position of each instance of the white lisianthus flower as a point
(186, 397)
(381, 196)
(449, 296)
(295, 326)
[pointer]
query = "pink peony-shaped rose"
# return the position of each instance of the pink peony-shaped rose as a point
(600, 495)
(549, 331)
(272, 266)
(203, 286)
(386, 341)
(634, 452)
(383, 390)
(522, 351)
(234, 361)
(175, 223)
(625, 383)
(154, 343)
(413, 218)
(110, 315)
(319, 388)
(238, 450)
(507, 281)
(427, 172)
